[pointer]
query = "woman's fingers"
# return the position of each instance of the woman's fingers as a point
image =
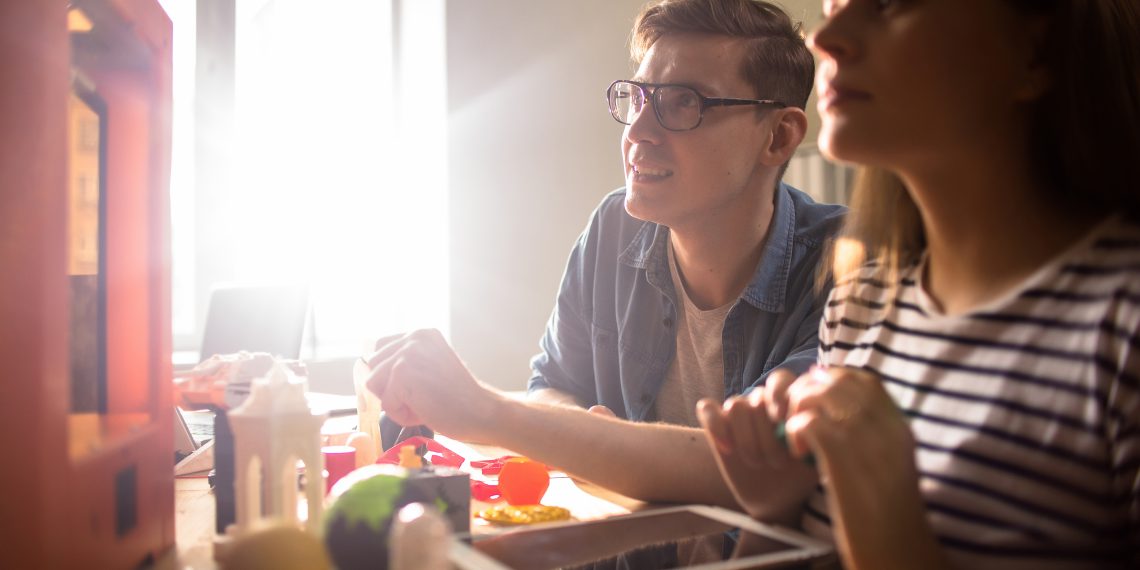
(842, 412)
(803, 432)
(776, 393)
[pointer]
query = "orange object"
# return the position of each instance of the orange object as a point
(523, 482)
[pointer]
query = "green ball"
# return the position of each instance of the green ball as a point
(359, 515)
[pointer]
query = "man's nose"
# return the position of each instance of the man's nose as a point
(643, 125)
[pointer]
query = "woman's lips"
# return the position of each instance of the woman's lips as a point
(835, 96)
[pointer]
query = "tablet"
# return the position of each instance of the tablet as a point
(694, 536)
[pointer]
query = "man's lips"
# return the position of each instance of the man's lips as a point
(649, 171)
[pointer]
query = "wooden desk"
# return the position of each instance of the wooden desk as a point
(194, 507)
(194, 523)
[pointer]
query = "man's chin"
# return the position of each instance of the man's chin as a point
(643, 208)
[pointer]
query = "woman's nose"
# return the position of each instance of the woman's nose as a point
(834, 37)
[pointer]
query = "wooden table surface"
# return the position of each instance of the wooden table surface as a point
(194, 508)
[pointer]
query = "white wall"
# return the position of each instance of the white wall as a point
(532, 151)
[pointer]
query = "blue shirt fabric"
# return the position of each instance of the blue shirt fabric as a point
(611, 337)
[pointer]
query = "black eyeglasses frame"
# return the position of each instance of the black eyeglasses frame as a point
(704, 102)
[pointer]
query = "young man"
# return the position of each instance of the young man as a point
(696, 280)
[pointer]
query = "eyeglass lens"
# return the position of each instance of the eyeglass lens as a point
(676, 107)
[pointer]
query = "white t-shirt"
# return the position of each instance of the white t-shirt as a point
(697, 370)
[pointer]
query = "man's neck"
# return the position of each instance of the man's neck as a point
(717, 257)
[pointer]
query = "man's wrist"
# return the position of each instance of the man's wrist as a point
(495, 413)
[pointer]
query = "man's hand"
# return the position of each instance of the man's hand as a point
(767, 482)
(420, 380)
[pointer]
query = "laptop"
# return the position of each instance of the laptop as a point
(269, 318)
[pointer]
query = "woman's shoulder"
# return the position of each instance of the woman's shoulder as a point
(1109, 256)
(868, 292)
(1096, 283)
(1116, 236)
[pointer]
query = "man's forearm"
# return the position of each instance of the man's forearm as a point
(554, 397)
(650, 462)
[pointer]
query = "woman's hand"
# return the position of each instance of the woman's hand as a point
(845, 416)
(767, 482)
(865, 451)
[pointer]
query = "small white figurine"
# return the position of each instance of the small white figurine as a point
(272, 430)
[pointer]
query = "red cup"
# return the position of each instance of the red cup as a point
(340, 460)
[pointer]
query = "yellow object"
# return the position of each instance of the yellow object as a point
(277, 547)
(524, 514)
(365, 453)
(409, 459)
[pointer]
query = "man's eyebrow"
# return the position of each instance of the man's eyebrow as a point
(700, 87)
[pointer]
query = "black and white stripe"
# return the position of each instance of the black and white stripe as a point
(1026, 412)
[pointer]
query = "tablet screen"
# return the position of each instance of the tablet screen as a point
(669, 539)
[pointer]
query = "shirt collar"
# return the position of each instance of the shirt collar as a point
(766, 291)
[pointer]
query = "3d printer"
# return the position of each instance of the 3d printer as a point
(84, 298)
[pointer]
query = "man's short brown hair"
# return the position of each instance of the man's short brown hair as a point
(777, 61)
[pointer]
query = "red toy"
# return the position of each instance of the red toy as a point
(523, 482)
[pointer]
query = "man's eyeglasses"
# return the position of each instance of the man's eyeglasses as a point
(678, 107)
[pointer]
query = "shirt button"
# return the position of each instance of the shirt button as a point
(645, 398)
(667, 322)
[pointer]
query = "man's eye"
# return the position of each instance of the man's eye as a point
(679, 99)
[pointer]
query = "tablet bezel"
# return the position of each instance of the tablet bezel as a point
(804, 548)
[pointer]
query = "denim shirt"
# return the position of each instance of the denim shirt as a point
(611, 337)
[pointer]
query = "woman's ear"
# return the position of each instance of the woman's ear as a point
(788, 132)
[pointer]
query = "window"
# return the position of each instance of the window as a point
(320, 158)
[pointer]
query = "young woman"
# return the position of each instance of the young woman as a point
(977, 403)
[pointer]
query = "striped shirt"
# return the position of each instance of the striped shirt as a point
(1025, 412)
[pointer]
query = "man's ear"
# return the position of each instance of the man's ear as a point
(788, 129)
